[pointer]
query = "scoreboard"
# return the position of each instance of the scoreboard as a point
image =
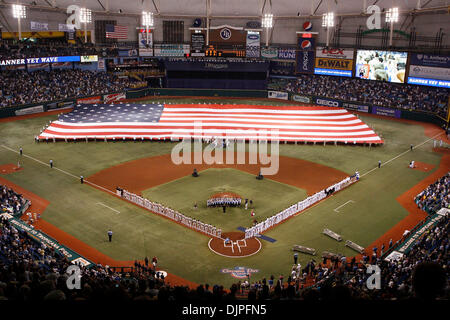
(211, 51)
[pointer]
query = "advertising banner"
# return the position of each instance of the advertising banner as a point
(39, 26)
(11, 62)
(339, 64)
(327, 102)
(335, 53)
(109, 98)
(60, 105)
(429, 72)
(43, 238)
(66, 27)
(145, 52)
(96, 99)
(286, 54)
(305, 62)
(331, 72)
(30, 110)
(381, 65)
(198, 44)
(305, 55)
(89, 58)
(128, 53)
(269, 53)
(303, 99)
(429, 82)
(429, 60)
(382, 111)
(334, 67)
(143, 40)
(253, 44)
(278, 95)
(356, 107)
(101, 64)
(171, 50)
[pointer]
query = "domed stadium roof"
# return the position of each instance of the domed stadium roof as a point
(236, 8)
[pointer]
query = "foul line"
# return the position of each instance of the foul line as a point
(349, 201)
(401, 154)
(61, 170)
(102, 204)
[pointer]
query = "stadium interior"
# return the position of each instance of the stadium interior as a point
(222, 151)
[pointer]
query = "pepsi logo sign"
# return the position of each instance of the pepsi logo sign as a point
(307, 26)
(225, 34)
(306, 44)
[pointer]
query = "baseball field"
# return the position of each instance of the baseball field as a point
(378, 207)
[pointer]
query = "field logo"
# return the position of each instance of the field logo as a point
(240, 272)
(223, 147)
(374, 281)
(74, 279)
(225, 34)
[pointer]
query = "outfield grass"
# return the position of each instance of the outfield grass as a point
(268, 196)
(74, 207)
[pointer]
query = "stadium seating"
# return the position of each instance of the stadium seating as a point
(404, 96)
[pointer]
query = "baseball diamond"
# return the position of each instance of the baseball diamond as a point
(205, 152)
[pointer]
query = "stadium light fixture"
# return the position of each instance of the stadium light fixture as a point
(85, 17)
(147, 21)
(267, 22)
(391, 17)
(19, 12)
(328, 22)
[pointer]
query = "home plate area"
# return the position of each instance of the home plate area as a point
(236, 247)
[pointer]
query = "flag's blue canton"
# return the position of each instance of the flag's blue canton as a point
(98, 113)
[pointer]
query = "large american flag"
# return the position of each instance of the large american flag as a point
(157, 121)
(116, 32)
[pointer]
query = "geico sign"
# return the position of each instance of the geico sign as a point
(327, 103)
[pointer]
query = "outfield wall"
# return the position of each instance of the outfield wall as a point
(280, 95)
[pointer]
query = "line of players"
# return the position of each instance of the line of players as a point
(220, 202)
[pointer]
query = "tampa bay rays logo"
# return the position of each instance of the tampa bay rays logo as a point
(225, 33)
(240, 272)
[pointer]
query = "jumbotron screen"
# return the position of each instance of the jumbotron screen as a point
(381, 65)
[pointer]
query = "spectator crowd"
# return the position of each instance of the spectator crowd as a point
(32, 271)
(10, 201)
(435, 196)
(20, 87)
(401, 96)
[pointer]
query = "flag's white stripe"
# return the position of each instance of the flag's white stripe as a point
(167, 122)
(182, 126)
(206, 120)
(254, 116)
(258, 137)
(210, 131)
(244, 111)
(217, 124)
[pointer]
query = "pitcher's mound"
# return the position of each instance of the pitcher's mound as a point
(237, 247)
